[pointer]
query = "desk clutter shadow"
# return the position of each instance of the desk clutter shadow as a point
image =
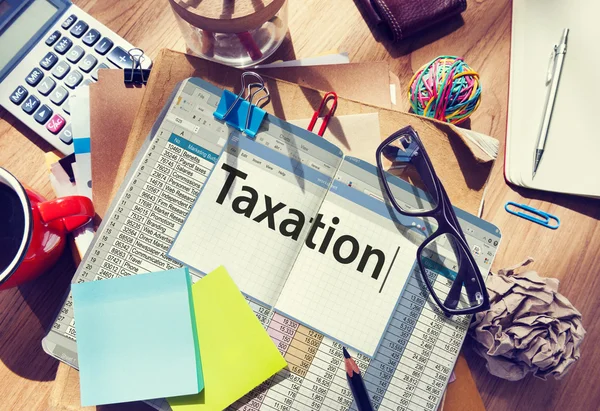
(583, 205)
(129, 406)
(26, 314)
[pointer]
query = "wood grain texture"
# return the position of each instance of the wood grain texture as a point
(482, 36)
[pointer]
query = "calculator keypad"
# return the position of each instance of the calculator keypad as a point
(59, 95)
(52, 38)
(34, 77)
(103, 46)
(61, 70)
(67, 135)
(69, 21)
(66, 107)
(73, 52)
(91, 37)
(49, 61)
(63, 45)
(46, 86)
(79, 28)
(73, 79)
(43, 114)
(88, 63)
(120, 58)
(19, 95)
(30, 104)
(56, 123)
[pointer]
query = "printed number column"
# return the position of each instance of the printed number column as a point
(446, 345)
(106, 259)
(399, 362)
(147, 187)
(321, 373)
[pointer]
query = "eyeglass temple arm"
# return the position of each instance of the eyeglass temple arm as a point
(471, 286)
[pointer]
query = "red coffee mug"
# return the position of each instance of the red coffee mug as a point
(35, 236)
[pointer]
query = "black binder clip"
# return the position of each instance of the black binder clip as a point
(136, 74)
(239, 112)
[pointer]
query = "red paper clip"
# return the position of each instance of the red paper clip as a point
(328, 96)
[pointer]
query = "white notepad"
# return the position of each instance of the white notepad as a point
(570, 161)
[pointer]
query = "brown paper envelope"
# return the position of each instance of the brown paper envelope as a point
(113, 106)
(463, 168)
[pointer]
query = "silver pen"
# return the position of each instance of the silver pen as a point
(554, 71)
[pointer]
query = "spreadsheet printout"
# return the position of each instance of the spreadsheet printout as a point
(412, 364)
(152, 203)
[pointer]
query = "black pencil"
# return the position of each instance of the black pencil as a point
(356, 383)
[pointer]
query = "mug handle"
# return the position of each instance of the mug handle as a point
(74, 211)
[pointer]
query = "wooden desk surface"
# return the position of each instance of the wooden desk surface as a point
(482, 36)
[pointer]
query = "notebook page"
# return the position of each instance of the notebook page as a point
(355, 264)
(253, 214)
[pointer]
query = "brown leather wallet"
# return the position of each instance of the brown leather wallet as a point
(405, 17)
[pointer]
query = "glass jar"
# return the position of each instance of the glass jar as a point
(238, 33)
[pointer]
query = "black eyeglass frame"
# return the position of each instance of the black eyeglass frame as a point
(448, 223)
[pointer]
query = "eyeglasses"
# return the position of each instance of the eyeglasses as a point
(446, 264)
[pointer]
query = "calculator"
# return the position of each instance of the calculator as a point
(48, 48)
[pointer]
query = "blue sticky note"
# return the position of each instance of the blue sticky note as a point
(136, 338)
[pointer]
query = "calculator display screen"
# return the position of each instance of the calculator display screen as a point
(23, 28)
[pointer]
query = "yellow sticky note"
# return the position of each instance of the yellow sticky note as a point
(237, 353)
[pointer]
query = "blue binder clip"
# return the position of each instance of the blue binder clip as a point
(532, 214)
(239, 112)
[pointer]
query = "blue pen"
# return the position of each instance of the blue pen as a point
(532, 214)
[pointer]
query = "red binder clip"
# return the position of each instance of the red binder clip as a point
(328, 96)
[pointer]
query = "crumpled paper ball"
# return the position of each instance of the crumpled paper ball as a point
(530, 326)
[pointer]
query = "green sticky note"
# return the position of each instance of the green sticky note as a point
(237, 353)
(136, 338)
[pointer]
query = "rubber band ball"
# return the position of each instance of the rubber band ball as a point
(446, 89)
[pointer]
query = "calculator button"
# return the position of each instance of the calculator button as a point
(79, 29)
(95, 73)
(56, 123)
(46, 86)
(49, 61)
(34, 77)
(43, 114)
(61, 70)
(52, 38)
(120, 58)
(67, 135)
(73, 79)
(18, 95)
(30, 104)
(103, 46)
(75, 54)
(88, 63)
(59, 95)
(69, 21)
(91, 37)
(86, 82)
(63, 45)
(67, 106)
